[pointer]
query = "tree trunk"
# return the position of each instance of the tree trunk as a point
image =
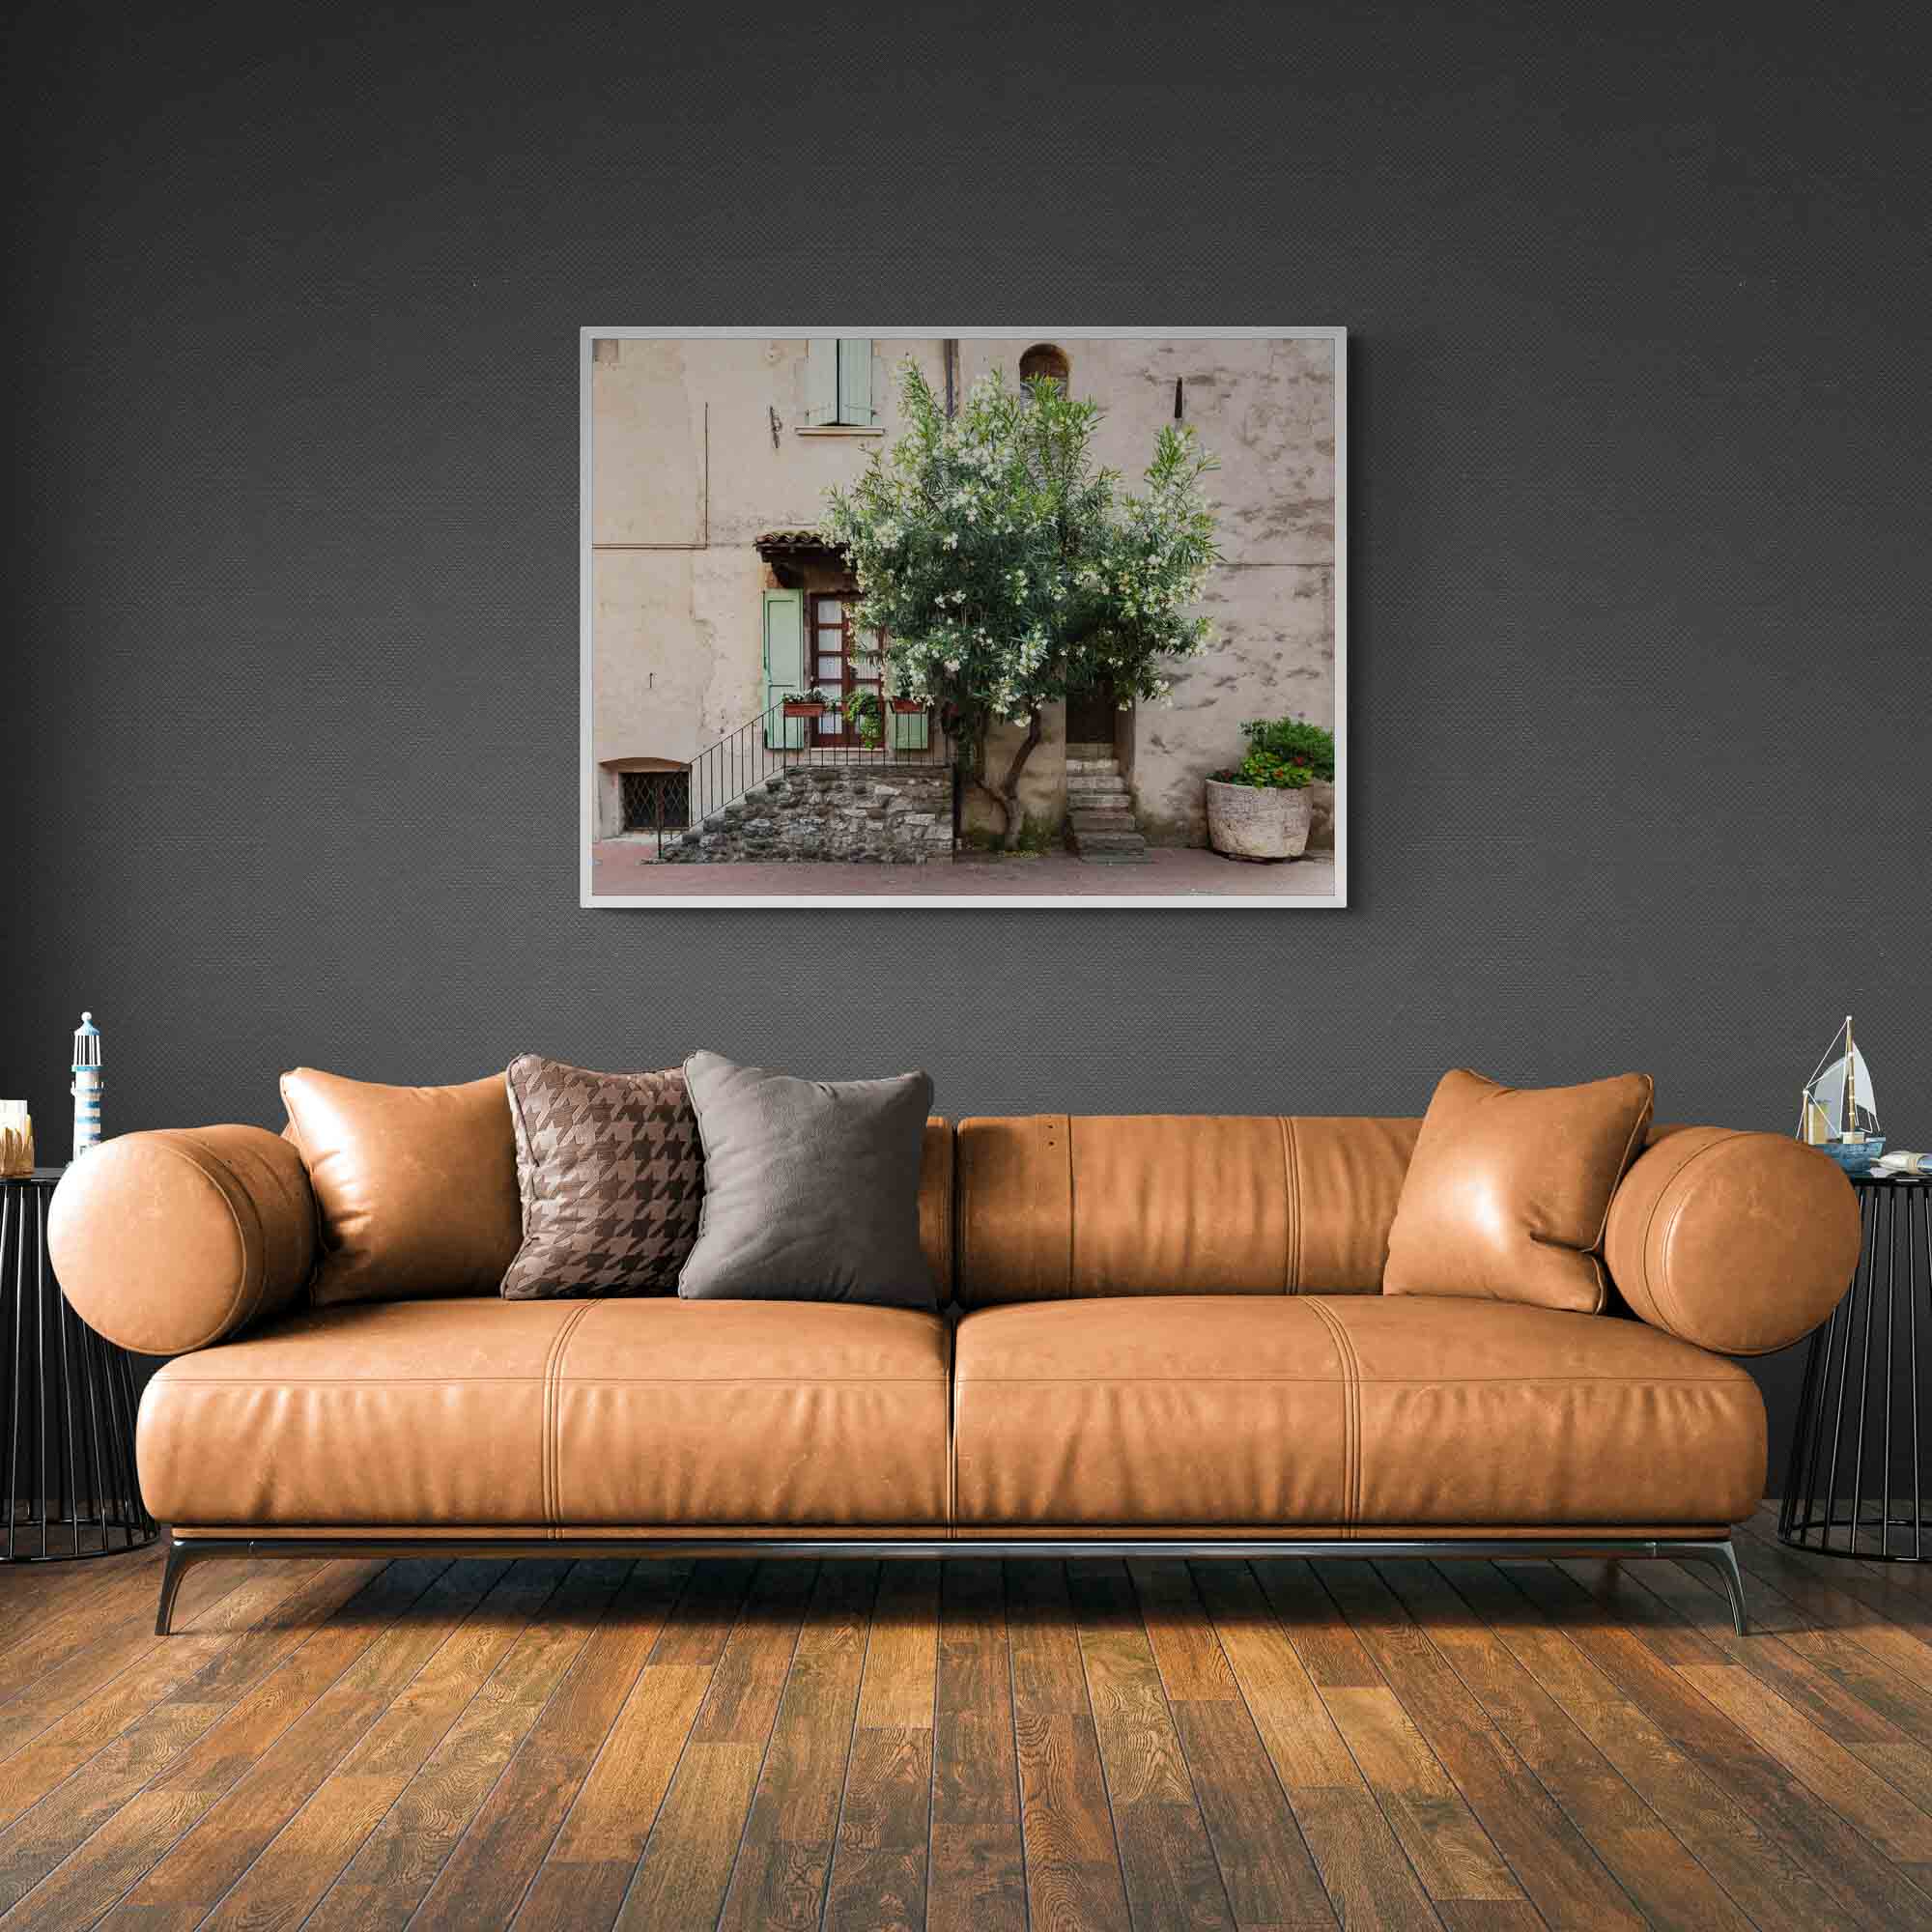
(1009, 791)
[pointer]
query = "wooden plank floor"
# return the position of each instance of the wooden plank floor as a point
(978, 1745)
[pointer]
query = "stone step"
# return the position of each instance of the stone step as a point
(1085, 843)
(1092, 783)
(1114, 858)
(1100, 820)
(1110, 766)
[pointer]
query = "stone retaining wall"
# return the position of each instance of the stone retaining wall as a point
(853, 814)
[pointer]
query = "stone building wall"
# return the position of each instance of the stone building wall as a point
(857, 814)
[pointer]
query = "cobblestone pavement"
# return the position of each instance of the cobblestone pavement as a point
(621, 868)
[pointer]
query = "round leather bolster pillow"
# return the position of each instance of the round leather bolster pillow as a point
(165, 1242)
(1741, 1242)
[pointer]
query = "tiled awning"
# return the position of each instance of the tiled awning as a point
(795, 546)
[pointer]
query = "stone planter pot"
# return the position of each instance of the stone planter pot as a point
(1321, 833)
(1256, 822)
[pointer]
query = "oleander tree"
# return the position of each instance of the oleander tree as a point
(1006, 569)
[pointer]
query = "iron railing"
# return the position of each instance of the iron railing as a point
(774, 743)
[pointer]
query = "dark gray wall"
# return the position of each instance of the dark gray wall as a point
(1639, 530)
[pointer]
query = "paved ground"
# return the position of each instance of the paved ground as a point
(621, 868)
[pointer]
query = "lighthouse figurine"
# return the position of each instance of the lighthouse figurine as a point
(86, 1087)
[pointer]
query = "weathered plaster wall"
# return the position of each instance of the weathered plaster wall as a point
(677, 649)
(1265, 409)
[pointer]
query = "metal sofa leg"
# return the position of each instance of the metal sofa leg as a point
(180, 1557)
(1722, 1557)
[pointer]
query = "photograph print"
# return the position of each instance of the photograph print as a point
(1035, 616)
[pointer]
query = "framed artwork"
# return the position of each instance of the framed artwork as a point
(1035, 616)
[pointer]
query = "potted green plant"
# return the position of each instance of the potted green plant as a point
(863, 714)
(808, 704)
(1261, 808)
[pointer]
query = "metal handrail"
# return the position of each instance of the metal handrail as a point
(771, 743)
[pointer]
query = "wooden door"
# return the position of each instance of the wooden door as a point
(1092, 716)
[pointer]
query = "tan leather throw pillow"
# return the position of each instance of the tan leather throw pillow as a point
(1509, 1189)
(416, 1186)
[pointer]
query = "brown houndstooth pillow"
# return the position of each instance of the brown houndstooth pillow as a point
(611, 1172)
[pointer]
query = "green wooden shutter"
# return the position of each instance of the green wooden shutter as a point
(785, 664)
(855, 380)
(821, 380)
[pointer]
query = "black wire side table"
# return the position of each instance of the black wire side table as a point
(67, 1433)
(1858, 1476)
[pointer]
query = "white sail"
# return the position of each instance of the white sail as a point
(1828, 1090)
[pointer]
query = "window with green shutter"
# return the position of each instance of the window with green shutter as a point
(839, 381)
(784, 666)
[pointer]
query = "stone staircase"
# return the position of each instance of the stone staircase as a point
(1100, 823)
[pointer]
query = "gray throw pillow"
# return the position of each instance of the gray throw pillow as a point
(810, 1188)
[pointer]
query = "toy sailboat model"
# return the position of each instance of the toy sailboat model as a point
(1839, 1115)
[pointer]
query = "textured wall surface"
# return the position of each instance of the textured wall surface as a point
(1641, 574)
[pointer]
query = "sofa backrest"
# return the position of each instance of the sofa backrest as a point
(935, 1199)
(935, 1204)
(1053, 1207)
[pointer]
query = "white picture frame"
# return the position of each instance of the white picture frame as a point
(928, 890)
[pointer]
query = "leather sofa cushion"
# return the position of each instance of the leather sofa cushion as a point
(536, 1414)
(1344, 1410)
(1509, 1189)
(1057, 1206)
(165, 1241)
(415, 1187)
(1740, 1242)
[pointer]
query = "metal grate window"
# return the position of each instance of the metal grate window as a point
(656, 800)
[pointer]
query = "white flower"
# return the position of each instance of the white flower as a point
(950, 540)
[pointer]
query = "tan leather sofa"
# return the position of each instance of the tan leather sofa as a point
(1166, 1331)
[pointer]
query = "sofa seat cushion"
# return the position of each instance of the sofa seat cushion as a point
(556, 1414)
(1344, 1412)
